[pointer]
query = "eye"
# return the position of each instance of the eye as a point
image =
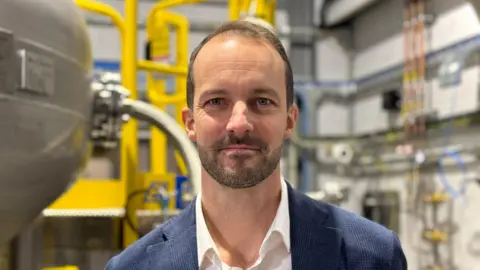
(215, 101)
(264, 101)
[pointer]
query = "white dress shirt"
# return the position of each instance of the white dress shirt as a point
(274, 253)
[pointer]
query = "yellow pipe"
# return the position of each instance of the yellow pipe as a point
(162, 100)
(260, 12)
(180, 69)
(182, 167)
(161, 6)
(162, 68)
(182, 27)
(234, 9)
(245, 6)
(103, 9)
(129, 143)
(272, 5)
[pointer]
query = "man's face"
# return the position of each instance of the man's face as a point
(239, 118)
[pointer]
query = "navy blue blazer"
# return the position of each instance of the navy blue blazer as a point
(323, 237)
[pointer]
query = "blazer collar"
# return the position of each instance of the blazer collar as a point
(177, 247)
(315, 240)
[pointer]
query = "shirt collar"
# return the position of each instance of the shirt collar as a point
(281, 225)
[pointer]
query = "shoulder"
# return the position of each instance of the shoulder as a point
(362, 238)
(136, 256)
(366, 239)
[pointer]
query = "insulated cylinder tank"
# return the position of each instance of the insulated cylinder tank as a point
(45, 105)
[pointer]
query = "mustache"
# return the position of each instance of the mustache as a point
(233, 140)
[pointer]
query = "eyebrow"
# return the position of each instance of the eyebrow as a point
(258, 91)
(267, 91)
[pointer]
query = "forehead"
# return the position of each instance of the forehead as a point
(237, 60)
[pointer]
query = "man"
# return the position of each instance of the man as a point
(240, 112)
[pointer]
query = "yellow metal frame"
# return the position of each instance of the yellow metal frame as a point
(93, 194)
(158, 24)
(112, 193)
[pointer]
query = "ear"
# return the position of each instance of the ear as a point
(291, 120)
(187, 117)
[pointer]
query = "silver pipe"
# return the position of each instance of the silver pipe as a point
(160, 119)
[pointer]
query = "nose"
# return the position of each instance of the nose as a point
(239, 123)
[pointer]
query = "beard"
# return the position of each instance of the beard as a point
(242, 175)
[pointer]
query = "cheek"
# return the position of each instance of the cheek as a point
(207, 131)
(272, 131)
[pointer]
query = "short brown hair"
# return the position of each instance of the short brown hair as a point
(250, 30)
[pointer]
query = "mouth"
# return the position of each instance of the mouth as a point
(241, 147)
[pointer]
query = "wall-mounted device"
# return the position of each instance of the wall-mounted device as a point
(392, 100)
(383, 207)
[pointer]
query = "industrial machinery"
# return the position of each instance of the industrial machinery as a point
(50, 112)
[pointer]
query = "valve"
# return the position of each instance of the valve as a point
(436, 198)
(435, 236)
(158, 192)
(107, 115)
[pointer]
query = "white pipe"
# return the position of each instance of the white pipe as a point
(341, 10)
(146, 112)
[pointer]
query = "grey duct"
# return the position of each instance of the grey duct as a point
(341, 10)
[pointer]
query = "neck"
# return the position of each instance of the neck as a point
(238, 219)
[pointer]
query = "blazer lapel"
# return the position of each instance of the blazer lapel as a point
(314, 245)
(178, 250)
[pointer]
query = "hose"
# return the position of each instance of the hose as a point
(160, 119)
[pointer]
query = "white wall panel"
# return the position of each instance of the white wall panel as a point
(459, 99)
(333, 63)
(333, 119)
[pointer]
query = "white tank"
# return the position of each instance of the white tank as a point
(45, 104)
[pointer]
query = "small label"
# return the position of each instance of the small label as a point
(37, 73)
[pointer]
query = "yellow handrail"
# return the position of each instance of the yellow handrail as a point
(103, 9)
(162, 6)
(162, 68)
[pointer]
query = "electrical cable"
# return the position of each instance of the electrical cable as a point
(448, 153)
(145, 192)
(127, 218)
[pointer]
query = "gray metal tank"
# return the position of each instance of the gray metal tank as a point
(45, 104)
